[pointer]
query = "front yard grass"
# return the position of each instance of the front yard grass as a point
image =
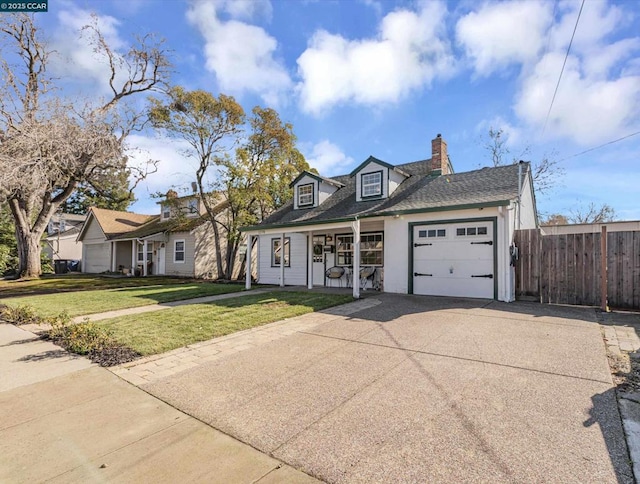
(160, 331)
(98, 301)
(50, 284)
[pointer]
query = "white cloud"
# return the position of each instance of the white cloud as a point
(76, 59)
(328, 159)
(242, 56)
(599, 94)
(409, 52)
(500, 34)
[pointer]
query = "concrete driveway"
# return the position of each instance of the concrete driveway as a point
(420, 389)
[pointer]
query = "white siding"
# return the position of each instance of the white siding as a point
(296, 274)
(527, 205)
(305, 180)
(395, 179)
(397, 250)
(325, 192)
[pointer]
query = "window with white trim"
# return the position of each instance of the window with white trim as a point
(140, 252)
(166, 211)
(371, 184)
(305, 195)
(276, 252)
(192, 207)
(371, 249)
(178, 251)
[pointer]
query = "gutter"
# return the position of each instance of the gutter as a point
(391, 213)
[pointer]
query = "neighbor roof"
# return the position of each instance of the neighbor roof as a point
(114, 223)
(422, 191)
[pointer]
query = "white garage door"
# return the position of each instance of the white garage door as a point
(454, 259)
(96, 258)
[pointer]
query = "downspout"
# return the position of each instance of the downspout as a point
(519, 191)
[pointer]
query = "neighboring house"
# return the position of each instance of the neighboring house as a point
(61, 242)
(423, 228)
(621, 226)
(177, 242)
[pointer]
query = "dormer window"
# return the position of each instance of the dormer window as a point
(166, 212)
(305, 195)
(371, 184)
(192, 206)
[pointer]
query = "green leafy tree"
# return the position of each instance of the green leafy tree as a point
(256, 181)
(8, 245)
(251, 171)
(210, 126)
(110, 191)
(50, 145)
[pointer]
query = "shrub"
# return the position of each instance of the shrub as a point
(27, 315)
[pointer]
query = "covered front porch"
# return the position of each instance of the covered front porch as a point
(347, 255)
(139, 256)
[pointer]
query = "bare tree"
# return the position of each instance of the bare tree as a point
(49, 145)
(545, 172)
(592, 214)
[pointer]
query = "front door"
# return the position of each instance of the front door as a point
(161, 259)
(318, 260)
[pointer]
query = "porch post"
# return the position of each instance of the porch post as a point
(355, 227)
(247, 284)
(282, 259)
(134, 255)
(309, 260)
(113, 256)
(144, 258)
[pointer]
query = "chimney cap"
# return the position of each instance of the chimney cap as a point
(438, 135)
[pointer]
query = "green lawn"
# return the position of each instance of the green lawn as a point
(80, 282)
(100, 300)
(160, 331)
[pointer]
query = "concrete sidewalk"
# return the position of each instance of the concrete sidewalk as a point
(63, 419)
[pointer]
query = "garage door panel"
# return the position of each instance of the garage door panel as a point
(96, 258)
(454, 259)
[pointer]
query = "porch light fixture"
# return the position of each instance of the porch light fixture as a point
(329, 238)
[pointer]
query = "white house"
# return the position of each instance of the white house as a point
(415, 228)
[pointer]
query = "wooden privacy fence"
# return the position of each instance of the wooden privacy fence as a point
(567, 268)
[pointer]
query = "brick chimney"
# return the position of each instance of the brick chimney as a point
(439, 157)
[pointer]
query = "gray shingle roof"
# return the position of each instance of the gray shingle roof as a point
(420, 191)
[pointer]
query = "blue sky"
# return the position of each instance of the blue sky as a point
(359, 78)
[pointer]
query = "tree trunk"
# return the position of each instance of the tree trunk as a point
(29, 251)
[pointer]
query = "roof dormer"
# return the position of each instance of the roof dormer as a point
(376, 179)
(310, 190)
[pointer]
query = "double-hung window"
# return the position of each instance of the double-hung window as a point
(166, 212)
(178, 251)
(305, 195)
(371, 249)
(371, 184)
(276, 252)
(192, 207)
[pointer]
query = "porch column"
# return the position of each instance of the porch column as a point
(113, 256)
(247, 283)
(355, 227)
(144, 258)
(134, 255)
(310, 260)
(282, 259)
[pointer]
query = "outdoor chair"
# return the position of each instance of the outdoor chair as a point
(366, 274)
(335, 273)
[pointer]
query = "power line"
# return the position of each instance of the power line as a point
(562, 70)
(600, 146)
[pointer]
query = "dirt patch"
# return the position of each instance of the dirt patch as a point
(625, 371)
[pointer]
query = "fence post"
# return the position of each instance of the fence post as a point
(603, 269)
